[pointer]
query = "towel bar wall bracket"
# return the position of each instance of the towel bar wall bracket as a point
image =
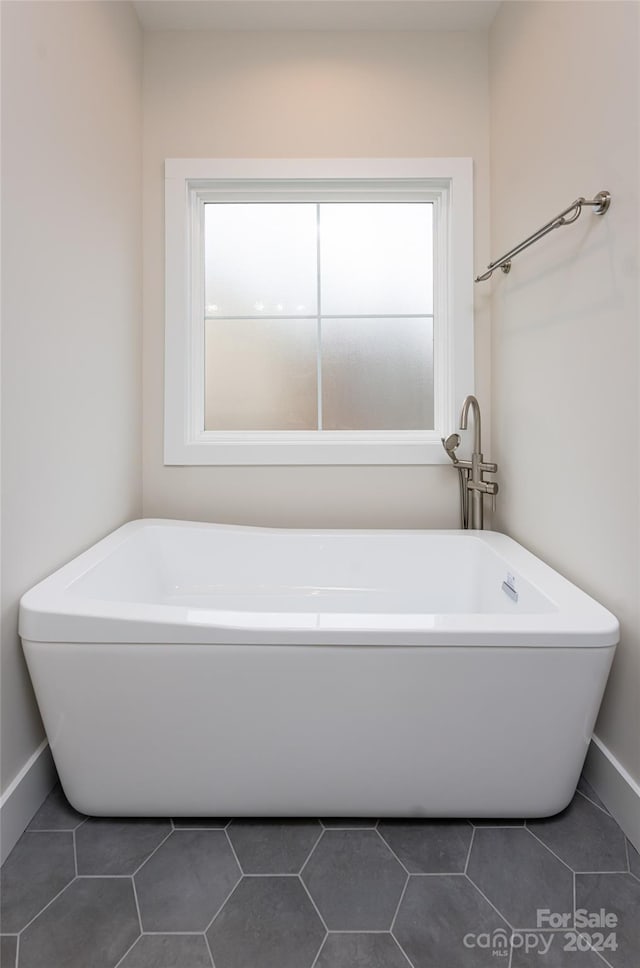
(600, 204)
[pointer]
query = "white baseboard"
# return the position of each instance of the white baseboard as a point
(614, 785)
(616, 788)
(23, 797)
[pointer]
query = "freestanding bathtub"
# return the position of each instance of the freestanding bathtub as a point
(200, 669)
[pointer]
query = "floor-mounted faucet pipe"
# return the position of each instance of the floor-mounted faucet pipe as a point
(471, 473)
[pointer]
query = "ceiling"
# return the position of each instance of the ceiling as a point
(316, 14)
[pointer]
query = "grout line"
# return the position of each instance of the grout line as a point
(130, 948)
(54, 830)
(276, 874)
(350, 826)
(409, 961)
(580, 934)
(600, 806)
(75, 852)
(17, 952)
(316, 842)
(594, 804)
(313, 849)
(438, 873)
(401, 949)
(400, 900)
(163, 841)
(232, 891)
(392, 851)
(322, 944)
(103, 877)
(546, 847)
(593, 873)
(359, 931)
(183, 829)
(602, 957)
(573, 885)
(206, 941)
(135, 897)
(306, 890)
(473, 837)
(497, 826)
(629, 845)
(506, 921)
(233, 851)
(48, 904)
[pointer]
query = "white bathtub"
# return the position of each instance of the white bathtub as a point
(198, 669)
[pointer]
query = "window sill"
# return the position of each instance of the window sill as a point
(312, 447)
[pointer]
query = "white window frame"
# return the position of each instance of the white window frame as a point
(189, 183)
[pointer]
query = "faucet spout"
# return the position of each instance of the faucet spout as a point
(470, 403)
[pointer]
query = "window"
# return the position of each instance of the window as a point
(317, 311)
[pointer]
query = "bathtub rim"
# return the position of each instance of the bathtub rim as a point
(47, 614)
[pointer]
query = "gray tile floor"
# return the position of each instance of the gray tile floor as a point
(78, 892)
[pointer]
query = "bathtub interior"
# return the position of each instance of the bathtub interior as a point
(263, 570)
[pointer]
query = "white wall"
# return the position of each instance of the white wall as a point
(565, 365)
(71, 305)
(288, 94)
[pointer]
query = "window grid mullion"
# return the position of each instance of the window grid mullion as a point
(319, 317)
(329, 316)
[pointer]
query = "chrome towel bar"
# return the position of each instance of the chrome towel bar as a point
(600, 204)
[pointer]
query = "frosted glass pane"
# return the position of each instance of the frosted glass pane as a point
(376, 258)
(260, 259)
(261, 374)
(377, 374)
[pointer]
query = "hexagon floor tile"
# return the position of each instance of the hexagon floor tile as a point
(273, 846)
(267, 922)
(361, 951)
(618, 894)
(117, 846)
(355, 880)
(182, 886)
(168, 951)
(584, 837)
(441, 921)
(553, 950)
(56, 813)
(429, 847)
(519, 875)
(8, 949)
(187, 881)
(587, 790)
(90, 925)
(37, 869)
